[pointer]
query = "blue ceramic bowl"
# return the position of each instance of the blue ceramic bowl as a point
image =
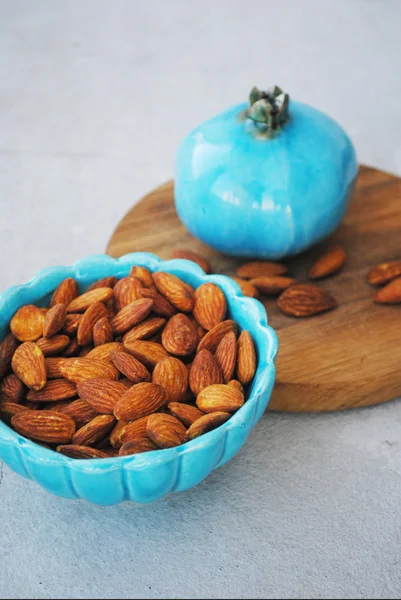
(148, 476)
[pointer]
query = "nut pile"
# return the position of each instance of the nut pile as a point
(128, 366)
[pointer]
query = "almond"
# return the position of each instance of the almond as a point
(331, 261)
(52, 346)
(7, 349)
(205, 371)
(28, 363)
(27, 323)
(140, 400)
(75, 451)
(219, 398)
(73, 349)
(96, 311)
(105, 282)
(250, 270)
(172, 375)
(131, 315)
(272, 285)
(166, 431)
(136, 447)
(102, 332)
(179, 336)
(53, 367)
(103, 352)
(111, 309)
(11, 389)
(101, 394)
(178, 293)
(143, 274)
(136, 430)
(126, 291)
(161, 306)
(390, 294)
(65, 292)
(193, 257)
(185, 413)
(246, 358)
(71, 323)
(226, 355)
(200, 332)
(384, 272)
(207, 423)
(148, 353)
(236, 384)
(116, 432)
(44, 426)
(83, 302)
(129, 366)
(93, 431)
(57, 389)
(54, 320)
(81, 369)
(144, 330)
(80, 411)
(9, 409)
(305, 300)
(210, 305)
(247, 287)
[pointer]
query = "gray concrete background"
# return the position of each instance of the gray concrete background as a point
(95, 96)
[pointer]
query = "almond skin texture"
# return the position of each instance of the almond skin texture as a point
(194, 257)
(105, 282)
(207, 423)
(80, 411)
(140, 400)
(331, 261)
(93, 431)
(136, 430)
(131, 315)
(71, 324)
(250, 270)
(226, 355)
(172, 375)
(148, 353)
(53, 367)
(305, 300)
(246, 358)
(81, 369)
(104, 351)
(115, 434)
(126, 291)
(219, 398)
(51, 346)
(210, 305)
(102, 332)
(57, 389)
(178, 293)
(129, 366)
(65, 292)
(384, 272)
(247, 287)
(96, 311)
(75, 451)
(272, 285)
(179, 336)
(9, 409)
(136, 447)
(144, 330)
(83, 302)
(27, 323)
(161, 306)
(205, 371)
(185, 413)
(143, 274)
(101, 394)
(166, 431)
(11, 389)
(54, 320)
(28, 363)
(44, 426)
(390, 294)
(236, 384)
(7, 349)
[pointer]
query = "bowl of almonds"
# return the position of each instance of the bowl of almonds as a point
(125, 379)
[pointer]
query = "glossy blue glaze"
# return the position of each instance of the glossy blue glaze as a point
(265, 198)
(148, 476)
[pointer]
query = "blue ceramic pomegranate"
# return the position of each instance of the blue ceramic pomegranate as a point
(265, 180)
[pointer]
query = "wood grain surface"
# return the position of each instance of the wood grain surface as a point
(347, 358)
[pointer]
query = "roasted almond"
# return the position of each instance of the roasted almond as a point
(210, 305)
(126, 291)
(143, 274)
(384, 272)
(102, 332)
(81, 452)
(105, 282)
(27, 323)
(331, 261)
(136, 430)
(247, 287)
(237, 385)
(28, 363)
(140, 400)
(71, 324)
(80, 411)
(129, 366)
(194, 257)
(148, 353)
(246, 358)
(56, 389)
(136, 447)
(54, 320)
(207, 423)
(250, 270)
(103, 352)
(83, 302)
(85, 350)
(96, 311)
(178, 293)
(205, 370)
(101, 394)
(226, 355)
(65, 292)
(185, 413)
(166, 431)
(81, 369)
(179, 336)
(219, 398)
(9, 409)
(172, 375)
(11, 389)
(144, 330)
(305, 300)
(53, 367)
(93, 431)
(161, 306)
(51, 346)
(7, 349)
(116, 433)
(44, 426)
(390, 294)
(272, 285)
(131, 315)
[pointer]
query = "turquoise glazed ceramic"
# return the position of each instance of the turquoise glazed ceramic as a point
(151, 475)
(249, 185)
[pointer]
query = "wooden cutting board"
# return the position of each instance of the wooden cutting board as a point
(347, 358)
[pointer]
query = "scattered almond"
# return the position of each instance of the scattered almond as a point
(390, 294)
(272, 285)
(305, 300)
(247, 287)
(251, 270)
(331, 261)
(193, 257)
(384, 272)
